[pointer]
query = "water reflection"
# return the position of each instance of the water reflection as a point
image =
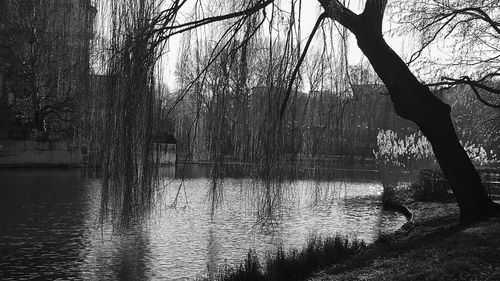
(124, 257)
(42, 218)
(49, 223)
(213, 252)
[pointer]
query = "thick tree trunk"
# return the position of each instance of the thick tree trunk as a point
(414, 101)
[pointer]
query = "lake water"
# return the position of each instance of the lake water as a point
(49, 230)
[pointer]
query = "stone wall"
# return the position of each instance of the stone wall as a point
(15, 153)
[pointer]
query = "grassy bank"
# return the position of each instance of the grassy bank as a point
(431, 247)
(292, 264)
(437, 248)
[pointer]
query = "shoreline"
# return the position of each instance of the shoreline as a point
(436, 247)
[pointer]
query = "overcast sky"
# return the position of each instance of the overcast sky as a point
(403, 45)
(310, 12)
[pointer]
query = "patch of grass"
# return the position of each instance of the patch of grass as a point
(250, 270)
(438, 248)
(293, 264)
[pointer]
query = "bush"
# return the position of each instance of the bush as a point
(432, 186)
(414, 150)
(399, 158)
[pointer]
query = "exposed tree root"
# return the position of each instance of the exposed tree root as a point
(392, 205)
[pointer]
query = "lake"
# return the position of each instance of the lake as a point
(49, 223)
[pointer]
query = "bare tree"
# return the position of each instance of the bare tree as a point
(468, 33)
(414, 101)
(49, 42)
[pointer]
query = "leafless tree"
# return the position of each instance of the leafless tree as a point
(49, 42)
(467, 34)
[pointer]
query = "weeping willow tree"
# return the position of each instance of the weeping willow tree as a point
(239, 80)
(224, 88)
(244, 82)
(236, 78)
(125, 125)
(217, 78)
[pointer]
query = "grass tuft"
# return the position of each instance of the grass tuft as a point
(292, 264)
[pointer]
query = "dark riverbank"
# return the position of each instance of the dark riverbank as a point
(437, 248)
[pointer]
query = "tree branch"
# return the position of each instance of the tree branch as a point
(474, 85)
(481, 15)
(418, 53)
(215, 54)
(340, 13)
(194, 24)
(299, 63)
(481, 99)
(473, 13)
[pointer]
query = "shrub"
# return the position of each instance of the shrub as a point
(405, 152)
(399, 158)
(431, 186)
(293, 264)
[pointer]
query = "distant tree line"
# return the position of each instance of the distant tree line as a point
(45, 61)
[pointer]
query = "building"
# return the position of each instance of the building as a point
(165, 150)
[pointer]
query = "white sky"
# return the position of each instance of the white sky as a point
(404, 46)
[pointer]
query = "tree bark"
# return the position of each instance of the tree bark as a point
(414, 101)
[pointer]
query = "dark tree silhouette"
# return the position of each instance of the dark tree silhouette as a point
(414, 101)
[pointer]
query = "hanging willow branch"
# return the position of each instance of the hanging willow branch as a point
(126, 137)
(299, 63)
